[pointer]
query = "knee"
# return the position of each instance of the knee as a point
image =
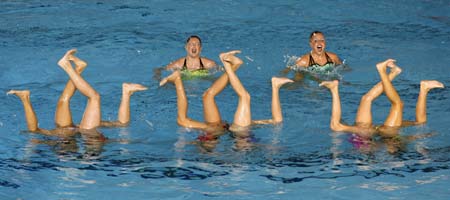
(366, 98)
(208, 94)
(62, 101)
(335, 126)
(246, 97)
(182, 121)
(400, 104)
(95, 97)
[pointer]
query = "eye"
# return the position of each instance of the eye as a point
(194, 44)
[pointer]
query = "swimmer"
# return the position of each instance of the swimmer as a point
(193, 64)
(193, 60)
(208, 141)
(363, 123)
(242, 118)
(318, 57)
(318, 60)
(391, 144)
(92, 116)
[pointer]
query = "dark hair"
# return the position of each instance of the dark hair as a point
(194, 36)
(313, 33)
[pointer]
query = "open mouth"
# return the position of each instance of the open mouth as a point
(319, 48)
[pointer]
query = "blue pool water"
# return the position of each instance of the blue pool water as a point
(153, 158)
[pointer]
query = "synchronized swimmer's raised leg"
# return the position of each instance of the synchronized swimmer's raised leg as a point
(277, 115)
(30, 115)
(395, 116)
(212, 116)
(364, 126)
(394, 120)
(364, 114)
(182, 102)
(210, 110)
(63, 115)
(123, 116)
(92, 113)
(421, 105)
(32, 121)
(336, 112)
(242, 116)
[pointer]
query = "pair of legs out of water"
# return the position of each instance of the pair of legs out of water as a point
(363, 123)
(92, 115)
(242, 117)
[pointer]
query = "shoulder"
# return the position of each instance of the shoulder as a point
(334, 57)
(176, 64)
(303, 61)
(208, 63)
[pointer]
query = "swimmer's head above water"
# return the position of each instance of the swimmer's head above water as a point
(317, 42)
(193, 46)
(318, 54)
(193, 59)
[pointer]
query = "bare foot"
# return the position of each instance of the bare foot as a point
(130, 88)
(223, 56)
(231, 58)
(381, 67)
(430, 84)
(80, 64)
(330, 84)
(22, 94)
(279, 81)
(175, 75)
(396, 70)
(64, 62)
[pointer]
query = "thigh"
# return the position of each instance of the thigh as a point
(395, 116)
(242, 116)
(92, 115)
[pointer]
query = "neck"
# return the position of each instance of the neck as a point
(193, 62)
(319, 54)
(188, 57)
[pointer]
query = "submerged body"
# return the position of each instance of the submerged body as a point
(242, 118)
(92, 115)
(363, 122)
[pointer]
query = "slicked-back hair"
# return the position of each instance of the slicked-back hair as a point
(194, 36)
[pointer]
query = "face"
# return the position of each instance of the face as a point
(317, 43)
(193, 47)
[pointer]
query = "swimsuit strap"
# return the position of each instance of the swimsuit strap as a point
(329, 60)
(185, 66)
(311, 60)
(201, 64)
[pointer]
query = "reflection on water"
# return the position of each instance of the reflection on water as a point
(339, 162)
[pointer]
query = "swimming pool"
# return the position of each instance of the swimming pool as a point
(123, 41)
